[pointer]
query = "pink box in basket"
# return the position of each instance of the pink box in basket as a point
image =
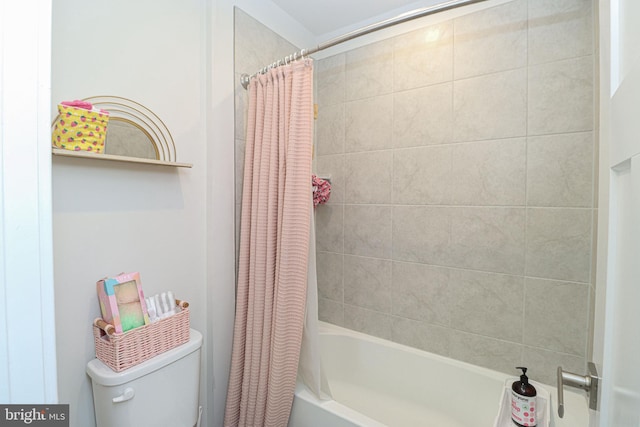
(122, 301)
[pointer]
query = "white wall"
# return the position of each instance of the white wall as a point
(111, 217)
(174, 226)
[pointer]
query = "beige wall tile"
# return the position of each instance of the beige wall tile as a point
(367, 230)
(367, 283)
(330, 130)
(422, 175)
(329, 228)
(487, 304)
(421, 292)
(368, 177)
(559, 243)
(488, 239)
(556, 316)
(329, 77)
(423, 116)
(251, 56)
(422, 234)
(241, 105)
(560, 170)
(489, 173)
(237, 217)
(369, 124)
(490, 106)
(431, 338)
(423, 57)
(367, 70)
(367, 321)
(331, 311)
(561, 96)
(483, 351)
(492, 40)
(239, 168)
(330, 271)
(559, 29)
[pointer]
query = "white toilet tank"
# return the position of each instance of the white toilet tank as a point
(161, 392)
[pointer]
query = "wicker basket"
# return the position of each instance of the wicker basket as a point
(124, 350)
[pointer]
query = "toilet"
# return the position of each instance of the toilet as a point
(161, 392)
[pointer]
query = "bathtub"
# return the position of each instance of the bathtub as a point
(378, 383)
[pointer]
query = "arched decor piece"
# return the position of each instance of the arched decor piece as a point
(134, 130)
(131, 118)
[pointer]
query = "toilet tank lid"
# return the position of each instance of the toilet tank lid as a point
(104, 375)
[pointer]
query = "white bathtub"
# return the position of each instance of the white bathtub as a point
(378, 383)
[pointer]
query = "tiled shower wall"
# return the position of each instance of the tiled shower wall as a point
(461, 158)
(462, 162)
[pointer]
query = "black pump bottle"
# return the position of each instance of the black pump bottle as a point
(523, 402)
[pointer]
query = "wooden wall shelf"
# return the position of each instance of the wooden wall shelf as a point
(111, 157)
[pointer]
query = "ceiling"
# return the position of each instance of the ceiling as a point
(327, 17)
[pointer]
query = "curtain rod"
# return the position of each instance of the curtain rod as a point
(404, 17)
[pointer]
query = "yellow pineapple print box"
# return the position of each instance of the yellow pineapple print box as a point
(80, 127)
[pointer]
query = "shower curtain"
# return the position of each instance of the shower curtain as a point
(310, 367)
(274, 245)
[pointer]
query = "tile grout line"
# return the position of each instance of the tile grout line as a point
(526, 197)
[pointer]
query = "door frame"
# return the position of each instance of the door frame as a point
(28, 371)
(613, 56)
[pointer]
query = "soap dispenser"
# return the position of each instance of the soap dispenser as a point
(523, 401)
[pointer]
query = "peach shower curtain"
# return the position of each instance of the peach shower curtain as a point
(274, 248)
